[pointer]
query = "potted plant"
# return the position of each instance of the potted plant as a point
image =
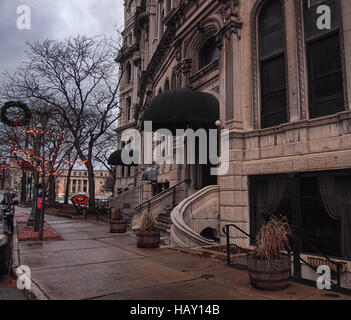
(148, 236)
(118, 223)
(268, 267)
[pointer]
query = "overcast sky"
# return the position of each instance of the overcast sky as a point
(54, 19)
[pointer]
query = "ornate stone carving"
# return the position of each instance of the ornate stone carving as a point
(230, 9)
(230, 28)
(186, 66)
(301, 60)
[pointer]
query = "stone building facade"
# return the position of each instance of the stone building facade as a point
(79, 184)
(284, 89)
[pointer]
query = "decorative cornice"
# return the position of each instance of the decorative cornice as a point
(231, 27)
(201, 73)
(126, 52)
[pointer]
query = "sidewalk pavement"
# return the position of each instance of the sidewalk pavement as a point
(91, 263)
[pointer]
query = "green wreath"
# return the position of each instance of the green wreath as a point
(15, 123)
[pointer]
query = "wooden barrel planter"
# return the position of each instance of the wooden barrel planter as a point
(270, 274)
(118, 226)
(148, 239)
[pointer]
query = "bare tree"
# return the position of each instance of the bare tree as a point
(101, 155)
(78, 78)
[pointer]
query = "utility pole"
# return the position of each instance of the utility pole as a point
(42, 209)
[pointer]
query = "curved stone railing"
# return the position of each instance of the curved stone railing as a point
(194, 214)
(159, 203)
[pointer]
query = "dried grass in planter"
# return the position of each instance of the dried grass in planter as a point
(148, 222)
(272, 238)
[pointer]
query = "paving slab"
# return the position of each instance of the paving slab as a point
(90, 228)
(97, 234)
(91, 263)
(91, 281)
(129, 243)
(11, 294)
(75, 236)
(65, 229)
(197, 289)
(55, 223)
(185, 262)
(34, 246)
(54, 259)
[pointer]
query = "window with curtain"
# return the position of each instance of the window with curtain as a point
(317, 204)
(323, 53)
(209, 52)
(272, 58)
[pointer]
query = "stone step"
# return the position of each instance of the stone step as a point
(163, 227)
(165, 241)
(163, 219)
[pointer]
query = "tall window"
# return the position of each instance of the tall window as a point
(128, 72)
(166, 85)
(173, 81)
(326, 91)
(272, 58)
(128, 108)
(208, 53)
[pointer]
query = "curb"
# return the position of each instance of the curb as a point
(35, 293)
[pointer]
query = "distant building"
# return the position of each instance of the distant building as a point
(79, 183)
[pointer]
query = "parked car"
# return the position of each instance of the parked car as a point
(7, 213)
(5, 246)
(7, 207)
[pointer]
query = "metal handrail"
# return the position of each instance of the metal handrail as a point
(338, 264)
(124, 189)
(225, 230)
(149, 201)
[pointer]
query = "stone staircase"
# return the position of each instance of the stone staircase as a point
(164, 224)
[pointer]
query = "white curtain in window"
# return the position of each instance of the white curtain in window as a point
(336, 196)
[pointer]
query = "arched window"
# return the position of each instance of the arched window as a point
(166, 85)
(325, 76)
(208, 53)
(272, 59)
(173, 81)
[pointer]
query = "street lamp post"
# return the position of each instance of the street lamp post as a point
(42, 207)
(32, 220)
(3, 174)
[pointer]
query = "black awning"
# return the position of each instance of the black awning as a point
(181, 109)
(115, 159)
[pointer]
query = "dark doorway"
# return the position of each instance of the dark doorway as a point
(210, 233)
